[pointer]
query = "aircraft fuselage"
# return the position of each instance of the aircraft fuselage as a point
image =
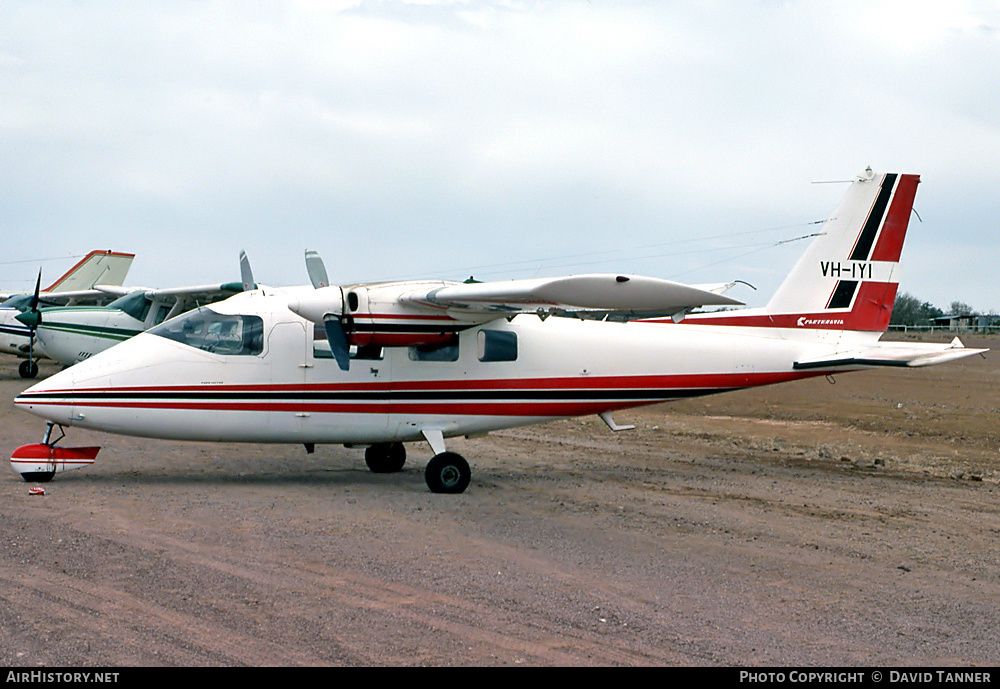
(285, 388)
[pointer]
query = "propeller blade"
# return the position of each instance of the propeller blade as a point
(38, 286)
(316, 269)
(338, 342)
(245, 273)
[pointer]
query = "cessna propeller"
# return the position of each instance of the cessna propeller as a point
(32, 317)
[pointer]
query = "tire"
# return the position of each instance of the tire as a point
(28, 368)
(38, 476)
(385, 458)
(448, 473)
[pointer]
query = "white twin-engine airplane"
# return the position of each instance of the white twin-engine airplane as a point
(412, 361)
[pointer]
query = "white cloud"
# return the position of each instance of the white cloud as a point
(411, 137)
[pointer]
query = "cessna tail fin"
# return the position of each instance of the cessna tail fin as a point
(97, 267)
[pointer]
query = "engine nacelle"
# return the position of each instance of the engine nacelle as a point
(375, 317)
(378, 315)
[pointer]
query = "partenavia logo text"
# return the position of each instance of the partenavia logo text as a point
(805, 321)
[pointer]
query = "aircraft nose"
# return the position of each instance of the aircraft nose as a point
(50, 398)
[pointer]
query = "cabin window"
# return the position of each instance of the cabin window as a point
(214, 332)
(497, 345)
(447, 351)
(161, 314)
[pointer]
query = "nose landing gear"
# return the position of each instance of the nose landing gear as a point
(39, 462)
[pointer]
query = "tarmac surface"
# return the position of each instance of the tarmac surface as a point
(848, 524)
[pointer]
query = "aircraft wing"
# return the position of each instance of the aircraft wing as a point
(912, 354)
(198, 292)
(607, 293)
(70, 297)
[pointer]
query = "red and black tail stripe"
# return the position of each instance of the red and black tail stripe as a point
(866, 240)
(843, 294)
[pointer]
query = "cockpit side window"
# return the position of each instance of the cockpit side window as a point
(214, 332)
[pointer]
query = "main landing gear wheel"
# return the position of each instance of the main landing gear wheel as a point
(28, 368)
(385, 458)
(38, 476)
(448, 473)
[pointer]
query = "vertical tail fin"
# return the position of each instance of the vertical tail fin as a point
(847, 278)
(97, 267)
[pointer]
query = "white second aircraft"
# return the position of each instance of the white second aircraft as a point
(76, 286)
(423, 361)
(69, 334)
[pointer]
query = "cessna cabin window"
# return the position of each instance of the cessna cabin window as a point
(215, 332)
(448, 351)
(161, 314)
(497, 345)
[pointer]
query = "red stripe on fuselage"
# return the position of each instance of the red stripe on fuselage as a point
(870, 313)
(597, 383)
(659, 387)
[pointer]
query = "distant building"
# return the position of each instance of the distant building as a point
(968, 322)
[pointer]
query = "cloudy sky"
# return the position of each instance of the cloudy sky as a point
(501, 139)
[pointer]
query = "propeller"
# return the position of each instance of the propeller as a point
(32, 318)
(246, 282)
(325, 304)
(246, 275)
(316, 269)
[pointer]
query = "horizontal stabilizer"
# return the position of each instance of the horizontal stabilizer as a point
(893, 354)
(598, 292)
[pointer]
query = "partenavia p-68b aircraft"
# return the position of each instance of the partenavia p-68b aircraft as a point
(410, 361)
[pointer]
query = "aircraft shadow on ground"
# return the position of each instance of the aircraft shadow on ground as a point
(333, 477)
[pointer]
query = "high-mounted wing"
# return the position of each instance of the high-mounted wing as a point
(429, 313)
(194, 293)
(607, 293)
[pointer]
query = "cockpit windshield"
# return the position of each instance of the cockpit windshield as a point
(21, 302)
(136, 305)
(215, 332)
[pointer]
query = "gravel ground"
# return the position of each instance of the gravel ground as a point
(853, 524)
